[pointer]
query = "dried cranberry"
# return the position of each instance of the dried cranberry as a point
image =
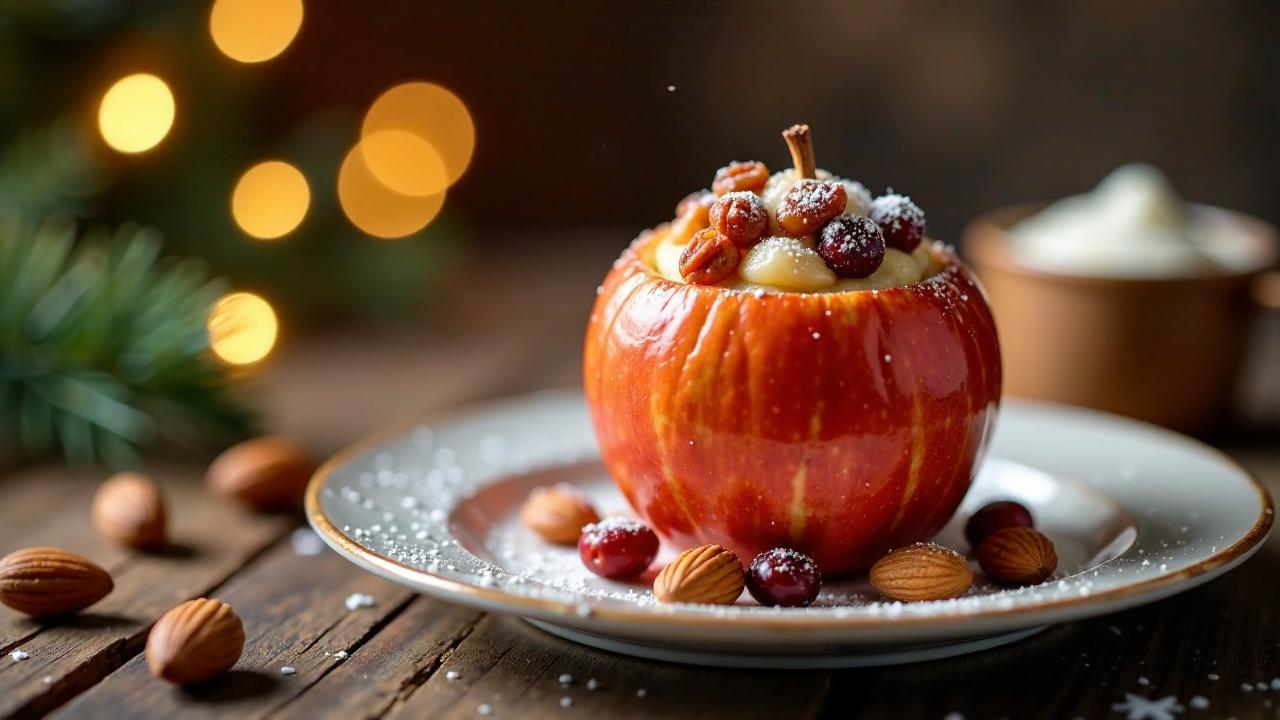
(617, 548)
(709, 258)
(785, 577)
(735, 176)
(996, 516)
(740, 216)
(809, 204)
(852, 246)
(901, 221)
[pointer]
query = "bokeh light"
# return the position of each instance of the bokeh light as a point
(254, 30)
(377, 209)
(270, 200)
(136, 113)
(432, 113)
(405, 163)
(242, 328)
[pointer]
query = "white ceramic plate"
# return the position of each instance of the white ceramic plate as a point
(1137, 513)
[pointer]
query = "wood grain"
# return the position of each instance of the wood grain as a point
(516, 669)
(492, 341)
(295, 615)
(212, 540)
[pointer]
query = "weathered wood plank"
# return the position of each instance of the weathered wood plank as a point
(403, 648)
(212, 540)
(391, 666)
(47, 505)
(295, 615)
(516, 670)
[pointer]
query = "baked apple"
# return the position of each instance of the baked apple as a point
(816, 378)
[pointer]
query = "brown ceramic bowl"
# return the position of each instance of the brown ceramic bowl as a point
(1166, 350)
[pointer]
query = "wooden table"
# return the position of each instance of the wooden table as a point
(1208, 643)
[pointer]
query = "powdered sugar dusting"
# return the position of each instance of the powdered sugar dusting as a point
(894, 211)
(448, 465)
(1136, 707)
(601, 531)
(809, 197)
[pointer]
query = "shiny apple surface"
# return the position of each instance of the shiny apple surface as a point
(840, 424)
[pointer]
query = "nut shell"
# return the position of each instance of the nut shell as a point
(195, 641)
(266, 473)
(923, 571)
(558, 513)
(705, 574)
(1017, 556)
(130, 509)
(46, 581)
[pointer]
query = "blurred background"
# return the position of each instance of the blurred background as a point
(450, 179)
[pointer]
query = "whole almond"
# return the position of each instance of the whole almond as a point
(45, 581)
(558, 513)
(705, 574)
(197, 640)
(1017, 556)
(129, 508)
(266, 473)
(923, 571)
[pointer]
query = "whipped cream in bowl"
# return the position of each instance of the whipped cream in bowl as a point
(1125, 298)
(1133, 225)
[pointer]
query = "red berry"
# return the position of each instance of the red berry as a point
(740, 216)
(901, 221)
(996, 516)
(852, 246)
(809, 204)
(785, 577)
(617, 548)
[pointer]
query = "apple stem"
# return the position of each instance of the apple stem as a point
(800, 143)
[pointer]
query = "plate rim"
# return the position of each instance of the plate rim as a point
(496, 600)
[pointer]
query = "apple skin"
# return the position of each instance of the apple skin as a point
(840, 424)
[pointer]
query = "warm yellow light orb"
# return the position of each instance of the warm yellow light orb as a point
(377, 209)
(254, 30)
(242, 328)
(136, 113)
(405, 163)
(270, 200)
(432, 113)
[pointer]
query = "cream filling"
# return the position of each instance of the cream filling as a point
(792, 265)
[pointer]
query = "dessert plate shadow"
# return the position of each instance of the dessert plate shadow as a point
(1137, 513)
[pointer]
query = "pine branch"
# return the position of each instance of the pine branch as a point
(50, 170)
(103, 347)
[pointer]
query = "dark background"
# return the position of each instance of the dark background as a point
(963, 105)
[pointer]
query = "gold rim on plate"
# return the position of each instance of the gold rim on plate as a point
(453, 590)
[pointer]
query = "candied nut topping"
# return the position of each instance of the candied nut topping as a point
(709, 258)
(803, 229)
(740, 216)
(698, 200)
(809, 204)
(737, 176)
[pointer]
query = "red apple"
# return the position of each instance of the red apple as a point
(840, 424)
